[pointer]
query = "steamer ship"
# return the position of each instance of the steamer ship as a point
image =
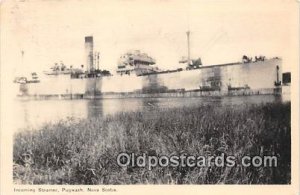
(138, 76)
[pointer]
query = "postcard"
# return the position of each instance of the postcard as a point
(152, 96)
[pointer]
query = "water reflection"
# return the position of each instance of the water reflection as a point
(34, 114)
(94, 109)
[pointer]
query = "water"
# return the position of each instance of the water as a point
(33, 114)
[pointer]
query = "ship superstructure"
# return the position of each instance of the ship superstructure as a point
(58, 69)
(136, 62)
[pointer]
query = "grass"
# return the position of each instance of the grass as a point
(84, 151)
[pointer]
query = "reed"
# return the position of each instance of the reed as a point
(84, 151)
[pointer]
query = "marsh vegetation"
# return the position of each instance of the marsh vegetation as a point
(84, 151)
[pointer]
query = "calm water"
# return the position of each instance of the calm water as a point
(34, 114)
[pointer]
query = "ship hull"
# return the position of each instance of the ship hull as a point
(262, 77)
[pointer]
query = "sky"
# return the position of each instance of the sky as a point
(51, 31)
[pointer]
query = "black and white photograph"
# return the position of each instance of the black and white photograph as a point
(98, 95)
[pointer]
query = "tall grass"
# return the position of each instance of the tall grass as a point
(84, 151)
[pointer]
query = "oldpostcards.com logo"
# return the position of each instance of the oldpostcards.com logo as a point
(151, 161)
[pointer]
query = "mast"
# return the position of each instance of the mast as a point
(95, 60)
(98, 58)
(188, 47)
(22, 53)
(22, 70)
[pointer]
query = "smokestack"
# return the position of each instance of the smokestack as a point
(89, 46)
